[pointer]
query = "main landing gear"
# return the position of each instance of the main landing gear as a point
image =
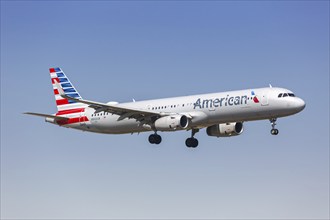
(192, 142)
(274, 131)
(155, 139)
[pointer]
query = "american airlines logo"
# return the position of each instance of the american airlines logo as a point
(219, 102)
(227, 101)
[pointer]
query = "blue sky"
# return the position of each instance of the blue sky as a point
(116, 51)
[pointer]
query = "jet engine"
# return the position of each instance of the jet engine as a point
(171, 123)
(225, 130)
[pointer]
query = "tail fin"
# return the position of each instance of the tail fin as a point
(58, 75)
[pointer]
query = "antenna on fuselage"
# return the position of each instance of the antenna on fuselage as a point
(270, 86)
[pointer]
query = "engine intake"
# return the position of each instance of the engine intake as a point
(225, 130)
(171, 123)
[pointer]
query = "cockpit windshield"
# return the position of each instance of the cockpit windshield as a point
(281, 95)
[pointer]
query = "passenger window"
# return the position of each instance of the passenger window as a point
(285, 94)
(280, 95)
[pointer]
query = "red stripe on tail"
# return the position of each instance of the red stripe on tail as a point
(70, 111)
(62, 102)
(53, 80)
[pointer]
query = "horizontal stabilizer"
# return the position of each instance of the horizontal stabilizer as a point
(46, 116)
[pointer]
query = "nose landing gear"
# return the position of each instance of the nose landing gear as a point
(274, 131)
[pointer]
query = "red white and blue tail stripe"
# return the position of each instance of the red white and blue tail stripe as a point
(70, 113)
(65, 105)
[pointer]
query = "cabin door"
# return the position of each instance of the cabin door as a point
(264, 99)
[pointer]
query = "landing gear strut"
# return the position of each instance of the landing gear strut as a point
(155, 139)
(274, 131)
(192, 142)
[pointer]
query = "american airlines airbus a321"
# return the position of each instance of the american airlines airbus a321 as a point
(222, 114)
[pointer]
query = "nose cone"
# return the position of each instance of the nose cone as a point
(299, 104)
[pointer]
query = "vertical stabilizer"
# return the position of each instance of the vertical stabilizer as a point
(63, 104)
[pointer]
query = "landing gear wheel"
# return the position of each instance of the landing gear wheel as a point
(155, 139)
(158, 139)
(274, 131)
(192, 142)
(151, 139)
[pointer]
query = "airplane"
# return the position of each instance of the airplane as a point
(222, 114)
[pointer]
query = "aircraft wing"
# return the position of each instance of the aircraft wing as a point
(123, 112)
(143, 116)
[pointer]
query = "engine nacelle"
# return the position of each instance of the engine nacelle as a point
(171, 123)
(225, 130)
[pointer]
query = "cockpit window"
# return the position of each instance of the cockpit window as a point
(286, 95)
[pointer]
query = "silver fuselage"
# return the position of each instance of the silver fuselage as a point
(204, 110)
